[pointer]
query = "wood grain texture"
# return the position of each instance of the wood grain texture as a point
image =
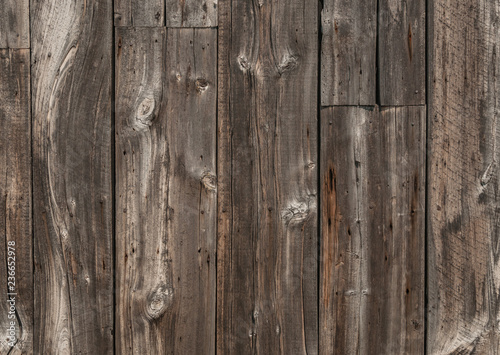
(372, 230)
(166, 87)
(401, 52)
(72, 176)
(268, 133)
(15, 199)
(463, 220)
(348, 52)
(14, 24)
(191, 13)
(145, 13)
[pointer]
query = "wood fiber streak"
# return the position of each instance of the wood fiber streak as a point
(14, 24)
(464, 178)
(372, 230)
(72, 176)
(15, 197)
(267, 253)
(166, 87)
(191, 13)
(401, 53)
(145, 13)
(348, 52)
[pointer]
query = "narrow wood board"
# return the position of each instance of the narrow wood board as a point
(463, 200)
(72, 176)
(401, 52)
(267, 257)
(140, 13)
(16, 258)
(191, 13)
(14, 24)
(348, 52)
(166, 87)
(372, 230)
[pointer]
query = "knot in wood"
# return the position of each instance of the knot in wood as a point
(298, 211)
(145, 112)
(201, 85)
(209, 182)
(243, 62)
(288, 63)
(158, 302)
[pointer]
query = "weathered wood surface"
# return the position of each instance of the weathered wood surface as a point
(166, 87)
(372, 230)
(191, 13)
(14, 24)
(401, 52)
(15, 199)
(463, 179)
(72, 176)
(348, 52)
(145, 13)
(268, 144)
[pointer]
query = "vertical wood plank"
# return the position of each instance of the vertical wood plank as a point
(144, 13)
(166, 190)
(464, 178)
(14, 24)
(268, 145)
(348, 52)
(72, 176)
(15, 201)
(401, 54)
(191, 13)
(372, 227)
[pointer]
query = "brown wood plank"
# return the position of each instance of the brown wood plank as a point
(401, 53)
(14, 24)
(15, 202)
(72, 176)
(463, 220)
(268, 145)
(372, 230)
(146, 13)
(348, 52)
(191, 13)
(166, 190)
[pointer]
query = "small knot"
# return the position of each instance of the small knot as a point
(145, 112)
(201, 85)
(158, 302)
(289, 62)
(209, 182)
(243, 62)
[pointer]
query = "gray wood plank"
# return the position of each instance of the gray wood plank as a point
(348, 52)
(191, 13)
(15, 202)
(372, 230)
(268, 145)
(145, 13)
(463, 220)
(225, 337)
(166, 190)
(14, 24)
(401, 54)
(72, 176)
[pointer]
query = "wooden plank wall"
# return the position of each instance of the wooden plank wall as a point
(249, 177)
